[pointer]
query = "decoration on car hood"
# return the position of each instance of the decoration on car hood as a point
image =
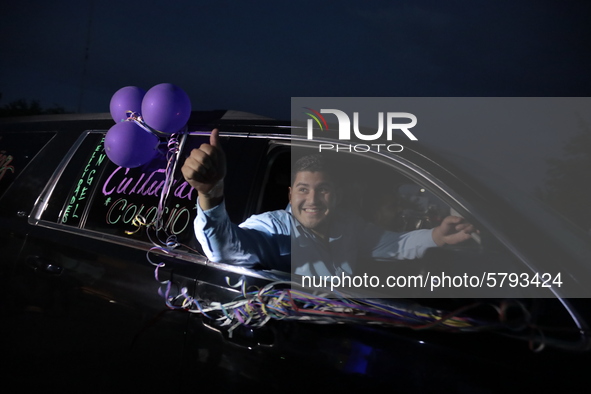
(285, 301)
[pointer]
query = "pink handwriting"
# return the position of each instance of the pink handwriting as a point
(146, 185)
(4, 164)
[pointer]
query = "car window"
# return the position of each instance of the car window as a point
(61, 189)
(89, 169)
(124, 200)
(387, 195)
(16, 151)
(374, 190)
(92, 193)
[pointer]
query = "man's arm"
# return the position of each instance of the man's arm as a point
(400, 246)
(413, 244)
(205, 170)
(452, 230)
(261, 239)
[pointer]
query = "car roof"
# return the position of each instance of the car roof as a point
(230, 120)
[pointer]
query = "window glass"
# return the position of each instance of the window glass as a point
(16, 150)
(377, 192)
(73, 189)
(126, 199)
(379, 196)
(85, 180)
(93, 193)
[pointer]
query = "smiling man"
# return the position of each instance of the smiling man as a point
(309, 237)
(312, 196)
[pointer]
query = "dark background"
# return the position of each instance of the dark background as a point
(255, 56)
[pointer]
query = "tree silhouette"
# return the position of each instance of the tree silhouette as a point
(22, 107)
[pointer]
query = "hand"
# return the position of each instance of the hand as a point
(205, 169)
(452, 230)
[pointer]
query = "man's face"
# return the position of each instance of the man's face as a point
(312, 197)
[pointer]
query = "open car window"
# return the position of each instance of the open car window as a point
(388, 195)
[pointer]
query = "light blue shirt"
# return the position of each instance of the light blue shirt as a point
(274, 239)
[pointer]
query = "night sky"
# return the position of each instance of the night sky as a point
(255, 56)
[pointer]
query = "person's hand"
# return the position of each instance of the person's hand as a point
(205, 170)
(452, 230)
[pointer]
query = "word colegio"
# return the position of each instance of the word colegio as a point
(174, 220)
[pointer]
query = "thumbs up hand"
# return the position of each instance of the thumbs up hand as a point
(205, 169)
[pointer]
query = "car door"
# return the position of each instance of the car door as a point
(95, 297)
(402, 193)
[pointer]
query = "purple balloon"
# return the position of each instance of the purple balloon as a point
(128, 145)
(126, 99)
(166, 108)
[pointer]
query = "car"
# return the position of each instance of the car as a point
(105, 287)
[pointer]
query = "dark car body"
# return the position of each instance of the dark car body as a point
(82, 310)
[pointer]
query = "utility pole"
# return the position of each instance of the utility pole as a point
(85, 56)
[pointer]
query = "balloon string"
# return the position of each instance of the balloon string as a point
(137, 118)
(171, 158)
(173, 149)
